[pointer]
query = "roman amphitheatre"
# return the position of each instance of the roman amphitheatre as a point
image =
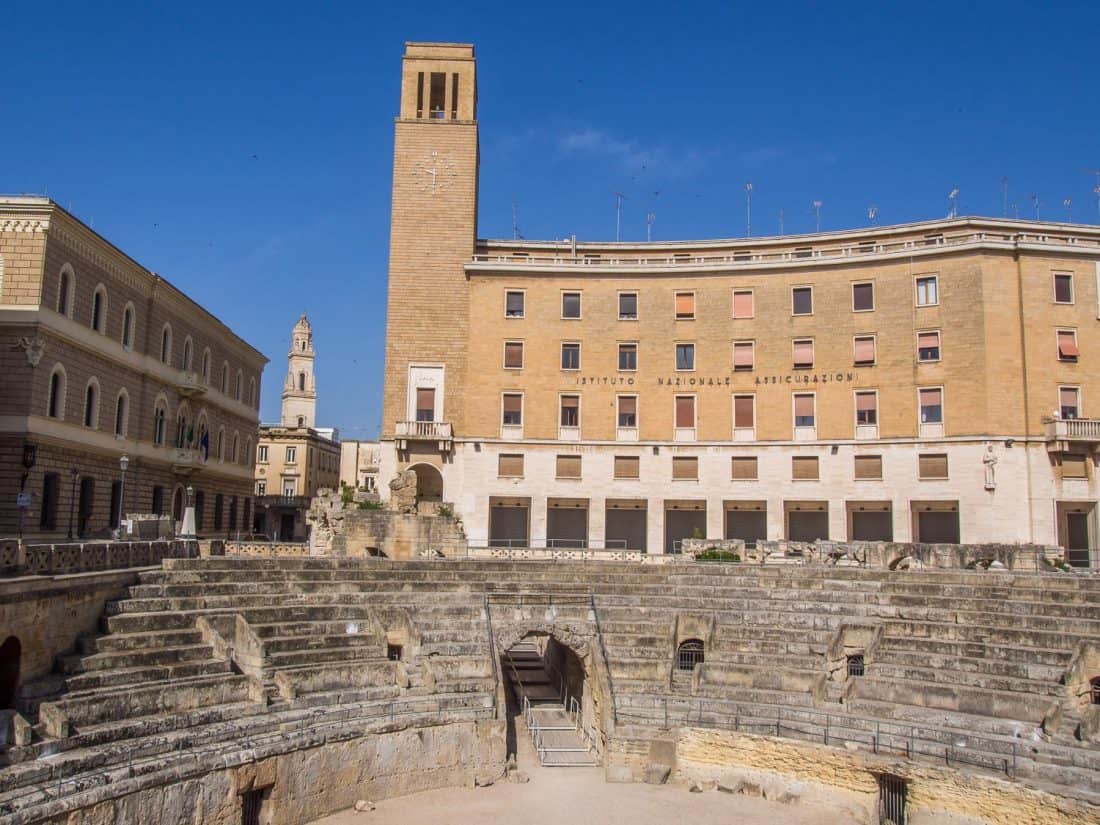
(801, 683)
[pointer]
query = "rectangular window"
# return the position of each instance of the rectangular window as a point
(1069, 402)
(685, 356)
(1067, 345)
(685, 467)
(436, 92)
(864, 354)
(804, 410)
(863, 297)
(803, 353)
(928, 292)
(802, 300)
(685, 412)
(513, 355)
(685, 306)
(570, 305)
(931, 406)
(513, 304)
(454, 96)
(627, 466)
(425, 404)
(744, 412)
(805, 468)
(510, 465)
(511, 409)
(628, 357)
(158, 500)
(261, 488)
(868, 467)
(261, 453)
(1063, 288)
(866, 408)
(932, 465)
(420, 94)
(569, 466)
(744, 356)
(291, 455)
(928, 346)
(628, 306)
(571, 356)
(743, 305)
(628, 411)
(743, 468)
(1075, 465)
(570, 411)
(51, 495)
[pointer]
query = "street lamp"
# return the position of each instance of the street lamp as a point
(123, 463)
(72, 502)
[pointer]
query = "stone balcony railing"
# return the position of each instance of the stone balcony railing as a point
(186, 460)
(1062, 432)
(21, 559)
(439, 431)
(189, 383)
(293, 502)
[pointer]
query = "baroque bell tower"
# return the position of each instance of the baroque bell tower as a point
(433, 231)
(300, 388)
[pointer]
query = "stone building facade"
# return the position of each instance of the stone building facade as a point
(928, 382)
(359, 463)
(295, 458)
(103, 358)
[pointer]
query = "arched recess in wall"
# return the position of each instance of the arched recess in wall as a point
(11, 656)
(429, 482)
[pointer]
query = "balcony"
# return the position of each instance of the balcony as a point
(418, 431)
(186, 461)
(189, 384)
(291, 502)
(1064, 433)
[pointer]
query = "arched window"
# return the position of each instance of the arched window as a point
(225, 378)
(181, 427)
(236, 448)
(128, 326)
(186, 359)
(91, 404)
(221, 444)
(301, 421)
(302, 381)
(689, 654)
(122, 411)
(252, 392)
(65, 288)
(160, 422)
(55, 400)
(99, 309)
(855, 664)
(1094, 690)
(248, 456)
(238, 385)
(206, 366)
(166, 344)
(203, 436)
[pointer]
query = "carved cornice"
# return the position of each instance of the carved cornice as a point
(24, 224)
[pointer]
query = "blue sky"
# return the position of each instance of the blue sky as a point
(244, 151)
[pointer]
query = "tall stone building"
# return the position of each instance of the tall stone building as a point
(102, 358)
(923, 382)
(295, 458)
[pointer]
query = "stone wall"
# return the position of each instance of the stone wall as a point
(21, 559)
(347, 530)
(266, 548)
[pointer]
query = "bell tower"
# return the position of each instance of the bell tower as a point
(300, 388)
(433, 230)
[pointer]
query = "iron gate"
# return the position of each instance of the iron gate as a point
(891, 800)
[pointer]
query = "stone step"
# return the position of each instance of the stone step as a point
(359, 641)
(119, 642)
(956, 698)
(94, 680)
(990, 651)
(76, 663)
(1017, 668)
(1036, 690)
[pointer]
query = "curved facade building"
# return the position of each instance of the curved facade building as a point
(936, 381)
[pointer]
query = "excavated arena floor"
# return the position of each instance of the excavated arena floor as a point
(580, 795)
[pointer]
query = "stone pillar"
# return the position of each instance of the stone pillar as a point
(537, 515)
(776, 526)
(597, 527)
(716, 529)
(655, 525)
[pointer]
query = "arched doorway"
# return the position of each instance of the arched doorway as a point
(177, 506)
(11, 654)
(429, 484)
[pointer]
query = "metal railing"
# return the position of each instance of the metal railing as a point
(603, 653)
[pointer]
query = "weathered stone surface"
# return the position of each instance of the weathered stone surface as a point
(403, 492)
(657, 774)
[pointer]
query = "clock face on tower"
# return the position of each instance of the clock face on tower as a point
(435, 173)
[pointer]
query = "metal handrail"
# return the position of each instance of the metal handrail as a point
(606, 661)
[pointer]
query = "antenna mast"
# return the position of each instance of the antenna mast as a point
(515, 223)
(953, 196)
(1004, 197)
(780, 221)
(649, 219)
(1068, 204)
(872, 213)
(619, 196)
(748, 210)
(817, 215)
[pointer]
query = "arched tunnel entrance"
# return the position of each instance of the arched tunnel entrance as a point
(552, 707)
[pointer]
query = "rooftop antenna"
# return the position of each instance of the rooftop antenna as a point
(649, 219)
(872, 213)
(817, 215)
(1035, 200)
(780, 221)
(1016, 211)
(515, 222)
(1068, 204)
(1004, 197)
(1096, 190)
(748, 210)
(619, 197)
(953, 196)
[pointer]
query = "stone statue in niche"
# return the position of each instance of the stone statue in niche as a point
(990, 462)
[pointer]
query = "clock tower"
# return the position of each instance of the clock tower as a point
(433, 230)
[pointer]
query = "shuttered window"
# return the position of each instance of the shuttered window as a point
(863, 297)
(570, 305)
(802, 300)
(1063, 287)
(1067, 345)
(685, 356)
(513, 354)
(685, 306)
(512, 405)
(569, 466)
(804, 353)
(627, 466)
(685, 411)
(510, 466)
(570, 410)
(804, 411)
(865, 350)
(932, 465)
(628, 356)
(685, 467)
(931, 406)
(1069, 402)
(928, 346)
(804, 468)
(425, 404)
(513, 304)
(628, 306)
(628, 411)
(868, 466)
(744, 468)
(866, 408)
(1074, 465)
(744, 412)
(743, 303)
(743, 356)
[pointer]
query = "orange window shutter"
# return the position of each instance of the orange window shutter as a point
(742, 305)
(743, 412)
(742, 355)
(685, 412)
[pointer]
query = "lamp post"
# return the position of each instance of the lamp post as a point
(72, 502)
(123, 463)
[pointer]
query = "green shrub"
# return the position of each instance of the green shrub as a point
(717, 555)
(371, 505)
